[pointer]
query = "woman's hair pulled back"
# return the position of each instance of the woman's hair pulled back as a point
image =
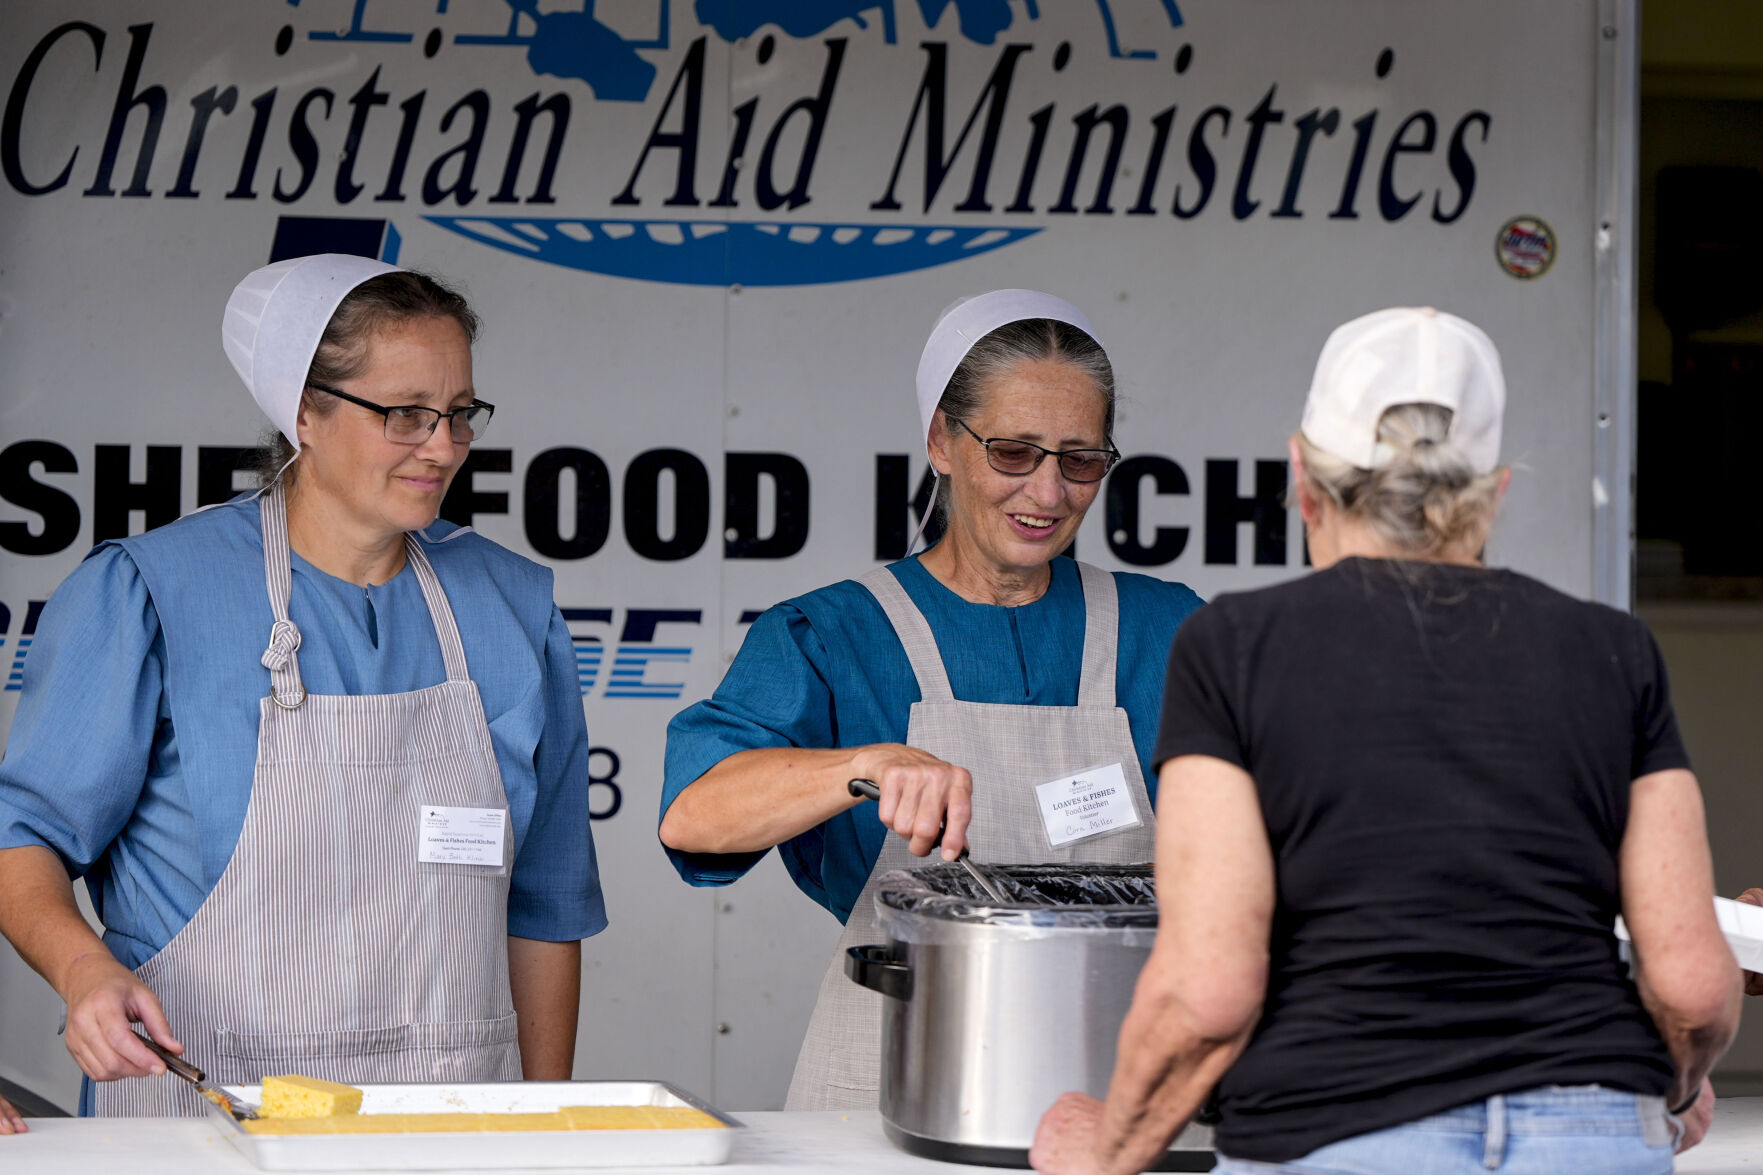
(1426, 500)
(999, 353)
(388, 300)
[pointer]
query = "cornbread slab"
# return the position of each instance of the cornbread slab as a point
(294, 1096)
(508, 1125)
(567, 1118)
(639, 1118)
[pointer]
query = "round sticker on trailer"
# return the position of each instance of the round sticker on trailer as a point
(1525, 247)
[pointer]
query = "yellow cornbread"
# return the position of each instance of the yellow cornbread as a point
(307, 1097)
(385, 1124)
(568, 1118)
(638, 1118)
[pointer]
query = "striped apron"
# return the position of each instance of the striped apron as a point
(325, 948)
(1008, 749)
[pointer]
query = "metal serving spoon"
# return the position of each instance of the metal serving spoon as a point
(866, 789)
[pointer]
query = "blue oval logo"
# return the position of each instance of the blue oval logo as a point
(722, 252)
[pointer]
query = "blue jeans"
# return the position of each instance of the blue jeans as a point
(1543, 1131)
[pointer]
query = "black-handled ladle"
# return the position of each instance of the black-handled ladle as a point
(866, 789)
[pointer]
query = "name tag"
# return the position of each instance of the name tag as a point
(461, 836)
(1087, 804)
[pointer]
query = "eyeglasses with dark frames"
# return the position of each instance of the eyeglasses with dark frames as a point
(1015, 458)
(412, 424)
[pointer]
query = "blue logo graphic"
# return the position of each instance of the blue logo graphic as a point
(575, 44)
(632, 655)
(980, 21)
(718, 252)
(33, 611)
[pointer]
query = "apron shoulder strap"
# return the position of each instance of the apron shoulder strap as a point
(440, 611)
(284, 637)
(278, 574)
(1101, 637)
(914, 633)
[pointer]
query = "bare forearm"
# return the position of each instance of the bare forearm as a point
(755, 799)
(1163, 1074)
(1696, 1044)
(1687, 976)
(39, 916)
(1200, 994)
(545, 980)
(104, 999)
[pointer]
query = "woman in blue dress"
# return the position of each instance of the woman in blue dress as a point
(320, 758)
(963, 682)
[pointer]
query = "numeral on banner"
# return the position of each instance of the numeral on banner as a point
(609, 781)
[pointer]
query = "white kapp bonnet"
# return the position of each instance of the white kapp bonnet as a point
(274, 320)
(963, 323)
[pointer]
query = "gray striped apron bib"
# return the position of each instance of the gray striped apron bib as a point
(325, 948)
(1008, 750)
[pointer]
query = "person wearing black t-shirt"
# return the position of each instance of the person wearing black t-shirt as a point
(1403, 801)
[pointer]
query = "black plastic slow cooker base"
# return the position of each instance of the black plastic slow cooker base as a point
(1197, 1159)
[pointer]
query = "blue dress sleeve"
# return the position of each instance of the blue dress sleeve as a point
(774, 695)
(1152, 611)
(83, 736)
(554, 894)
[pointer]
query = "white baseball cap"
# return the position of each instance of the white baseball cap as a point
(1406, 355)
(274, 320)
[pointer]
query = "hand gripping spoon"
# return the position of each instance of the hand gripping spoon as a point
(866, 789)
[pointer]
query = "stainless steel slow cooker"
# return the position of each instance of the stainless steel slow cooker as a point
(994, 1010)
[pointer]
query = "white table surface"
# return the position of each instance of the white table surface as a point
(845, 1144)
(833, 1143)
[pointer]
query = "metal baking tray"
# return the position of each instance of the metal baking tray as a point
(500, 1150)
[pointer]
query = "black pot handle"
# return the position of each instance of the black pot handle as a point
(876, 968)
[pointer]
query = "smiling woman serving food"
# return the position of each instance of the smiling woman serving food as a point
(320, 758)
(958, 681)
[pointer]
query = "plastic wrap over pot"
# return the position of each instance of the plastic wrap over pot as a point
(941, 903)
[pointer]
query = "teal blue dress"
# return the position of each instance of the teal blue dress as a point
(826, 670)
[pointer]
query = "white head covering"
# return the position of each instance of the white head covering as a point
(274, 320)
(965, 322)
(1406, 355)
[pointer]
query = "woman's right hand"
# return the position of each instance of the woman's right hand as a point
(104, 1002)
(922, 798)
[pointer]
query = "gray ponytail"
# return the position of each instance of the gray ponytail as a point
(1427, 500)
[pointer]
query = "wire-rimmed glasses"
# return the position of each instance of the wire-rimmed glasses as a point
(1015, 458)
(412, 424)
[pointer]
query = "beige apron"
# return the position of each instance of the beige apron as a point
(1008, 749)
(326, 949)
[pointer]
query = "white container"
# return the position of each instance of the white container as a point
(490, 1150)
(1740, 922)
